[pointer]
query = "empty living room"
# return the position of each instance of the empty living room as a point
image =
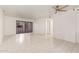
(39, 28)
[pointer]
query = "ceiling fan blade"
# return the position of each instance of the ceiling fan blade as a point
(60, 10)
(63, 7)
(63, 10)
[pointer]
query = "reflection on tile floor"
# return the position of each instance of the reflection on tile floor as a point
(38, 44)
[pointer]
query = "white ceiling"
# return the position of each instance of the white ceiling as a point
(30, 11)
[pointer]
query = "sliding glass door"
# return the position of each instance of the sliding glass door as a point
(24, 27)
(29, 27)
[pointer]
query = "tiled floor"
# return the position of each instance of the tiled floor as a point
(38, 44)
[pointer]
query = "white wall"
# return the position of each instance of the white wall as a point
(77, 26)
(25, 19)
(43, 26)
(39, 26)
(1, 26)
(64, 26)
(10, 24)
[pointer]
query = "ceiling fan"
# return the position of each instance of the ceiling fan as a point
(60, 8)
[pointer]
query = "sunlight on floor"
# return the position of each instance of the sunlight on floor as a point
(20, 38)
